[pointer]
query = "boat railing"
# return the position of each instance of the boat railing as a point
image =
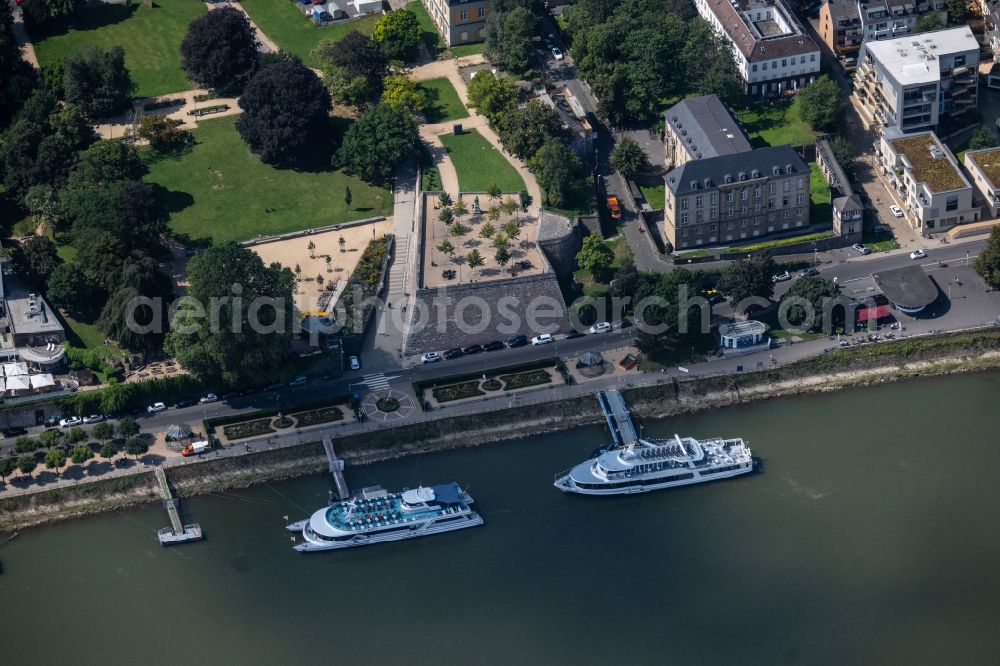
(562, 474)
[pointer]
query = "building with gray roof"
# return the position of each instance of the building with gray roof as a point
(699, 128)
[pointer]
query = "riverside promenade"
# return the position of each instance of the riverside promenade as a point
(760, 361)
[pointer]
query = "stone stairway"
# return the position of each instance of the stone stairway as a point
(397, 273)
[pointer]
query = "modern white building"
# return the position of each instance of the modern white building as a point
(935, 194)
(912, 81)
(984, 167)
(772, 51)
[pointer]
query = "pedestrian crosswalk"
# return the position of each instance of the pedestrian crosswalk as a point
(376, 381)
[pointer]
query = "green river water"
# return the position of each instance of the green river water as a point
(870, 536)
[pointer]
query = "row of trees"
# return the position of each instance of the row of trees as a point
(533, 133)
(637, 53)
(500, 239)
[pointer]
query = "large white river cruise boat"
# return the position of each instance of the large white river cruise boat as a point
(376, 515)
(657, 464)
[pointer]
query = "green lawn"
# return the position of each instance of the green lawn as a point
(430, 36)
(220, 190)
(654, 195)
(466, 50)
(151, 38)
(87, 336)
(776, 124)
(290, 29)
(478, 163)
(820, 209)
(446, 105)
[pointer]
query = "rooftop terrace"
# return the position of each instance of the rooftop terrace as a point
(939, 172)
(988, 162)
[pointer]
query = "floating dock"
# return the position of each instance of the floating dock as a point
(177, 532)
(336, 467)
(618, 418)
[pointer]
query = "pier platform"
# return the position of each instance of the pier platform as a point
(178, 532)
(618, 418)
(336, 467)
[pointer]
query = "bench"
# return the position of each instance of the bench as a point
(208, 110)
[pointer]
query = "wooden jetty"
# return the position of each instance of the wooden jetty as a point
(336, 467)
(618, 418)
(177, 532)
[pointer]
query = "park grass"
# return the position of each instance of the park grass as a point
(479, 164)
(820, 208)
(429, 35)
(151, 37)
(467, 50)
(777, 124)
(87, 336)
(654, 195)
(293, 31)
(219, 190)
(446, 105)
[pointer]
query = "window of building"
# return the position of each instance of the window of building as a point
(770, 218)
(764, 67)
(784, 62)
(798, 199)
(784, 201)
(786, 186)
(753, 68)
(482, 12)
(743, 224)
(729, 196)
(729, 211)
(756, 208)
(463, 15)
(801, 182)
(743, 210)
(699, 215)
(699, 201)
(756, 221)
(771, 188)
(812, 57)
(784, 214)
(700, 230)
(684, 233)
(684, 218)
(713, 198)
(729, 226)
(712, 227)
(684, 204)
(713, 212)
(743, 195)
(951, 203)
(756, 193)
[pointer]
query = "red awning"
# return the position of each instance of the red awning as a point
(876, 313)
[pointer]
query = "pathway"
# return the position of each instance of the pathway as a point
(267, 45)
(116, 127)
(21, 35)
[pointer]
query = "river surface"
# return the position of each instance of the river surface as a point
(871, 535)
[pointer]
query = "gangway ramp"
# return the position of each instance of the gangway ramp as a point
(617, 415)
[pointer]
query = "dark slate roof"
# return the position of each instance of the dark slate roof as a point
(907, 287)
(706, 127)
(843, 10)
(848, 204)
(710, 173)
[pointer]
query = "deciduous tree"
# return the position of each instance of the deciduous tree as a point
(26, 464)
(128, 427)
(815, 290)
(628, 157)
(377, 144)
(524, 130)
(136, 446)
(109, 450)
(596, 257)
(36, 259)
(821, 103)
(285, 117)
(399, 33)
(103, 431)
(745, 278)
(163, 134)
(81, 454)
(983, 138)
(97, 81)
(509, 38)
(491, 94)
(19, 77)
(402, 93)
(353, 68)
(55, 459)
(220, 49)
(474, 259)
(559, 172)
(7, 467)
(49, 438)
(69, 290)
(987, 264)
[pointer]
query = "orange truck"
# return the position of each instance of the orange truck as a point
(614, 208)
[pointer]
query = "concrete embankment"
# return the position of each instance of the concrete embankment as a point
(876, 364)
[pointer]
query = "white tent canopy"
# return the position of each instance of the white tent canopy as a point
(18, 383)
(15, 369)
(42, 381)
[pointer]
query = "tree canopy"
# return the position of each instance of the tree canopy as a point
(559, 172)
(596, 257)
(509, 38)
(402, 93)
(285, 117)
(927, 22)
(220, 49)
(19, 78)
(745, 278)
(97, 81)
(815, 290)
(248, 341)
(987, 264)
(628, 157)
(821, 103)
(353, 68)
(36, 258)
(399, 33)
(40, 12)
(983, 138)
(491, 94)
(524, 130)
(378, 143)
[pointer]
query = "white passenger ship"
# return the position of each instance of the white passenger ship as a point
(376, 515)
(653, 465)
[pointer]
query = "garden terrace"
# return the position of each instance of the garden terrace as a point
(940, 173)
(988, 162)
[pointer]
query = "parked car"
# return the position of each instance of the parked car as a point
(517, 341)
(861, 248)
(574, 334)
(472, 349)
(93, 418)
(781, 277)
(270, 387)
(430, 357)
(156, 407)
(496, 345)
(14, 431)
(918, 254)
(207, 398)
(602, 327)
(186, 402)
(542, 339)
(453, 353)
(809, 272)
(354, 362)
(556, 53)
(302, 380)
(70, 421)
(896, 210)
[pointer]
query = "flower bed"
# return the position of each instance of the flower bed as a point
(368, 276)
(492, 385)
(248, 429)
(387, 405)
(523, 379)
(317, 416)
(457, 391)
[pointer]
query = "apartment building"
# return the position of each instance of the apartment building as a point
(991, 20)
(772, 51)
(735, 197)
(935, 194)
(844, 25)
(699, 128)
(459, 21)
(984, 167)
(913, 81)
